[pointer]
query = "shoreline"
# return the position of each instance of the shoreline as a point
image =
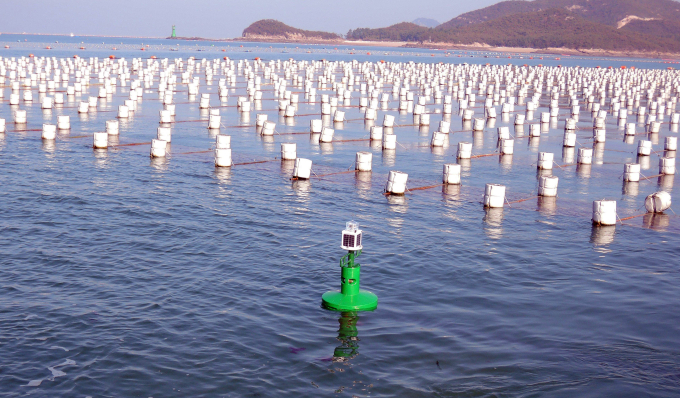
(472, 47)
(591, 52)
(440, 46)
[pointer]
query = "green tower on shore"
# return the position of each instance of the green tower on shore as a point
(173, 31)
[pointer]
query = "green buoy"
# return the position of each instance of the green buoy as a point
(350, 297)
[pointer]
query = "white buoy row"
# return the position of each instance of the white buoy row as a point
(422, 89)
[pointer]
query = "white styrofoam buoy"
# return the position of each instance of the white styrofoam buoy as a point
(494, 195)
(47, 103)
(112, 127)
(630, 129)
(326, 135)
(222, 141)
(585, 156)
(49, 132)
(63, 122)
(166, 116)
(268, 128)
(204, 103)
(100, 140)
(315, 126)
(519, 119)
(260, 118)
(370, 114)
(288, 151)
(507, 146)
(302, 169)
(658, 202)
(604, 212)
(451, 173)
(631, 172)
(164, 133)
(339, 116)
(670, 144)
(477, 124)
(389, 141)
(376, 133)
(655, 127)
(83, 107)
(570, 124)
(214, 122)
(599, 135)
(223, 157)
(388, 121)
(396, 183)
(158, 148)
(545, 160)
(364, 161)
(667, 166)
(675, 119)
(444, 126)
(503, 133)
(644, 148)
(569, 140)
(290, 111)
(20, 116)
(123, 112)
(547, 186)
(534, 130)
(438, 139)
(464, 150)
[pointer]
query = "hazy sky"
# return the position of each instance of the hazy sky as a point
(215, 18)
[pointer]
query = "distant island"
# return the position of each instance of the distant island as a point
(595, 27)
(273, 30)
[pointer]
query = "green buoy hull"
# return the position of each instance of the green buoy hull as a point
(363, 301)
(350, 297)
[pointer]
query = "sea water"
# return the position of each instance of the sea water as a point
(122, 275)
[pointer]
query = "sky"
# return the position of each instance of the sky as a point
(215, 18)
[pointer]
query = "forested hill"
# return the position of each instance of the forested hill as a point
(608, 12)
(271, 28)
(610, 25)
(542, 29)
